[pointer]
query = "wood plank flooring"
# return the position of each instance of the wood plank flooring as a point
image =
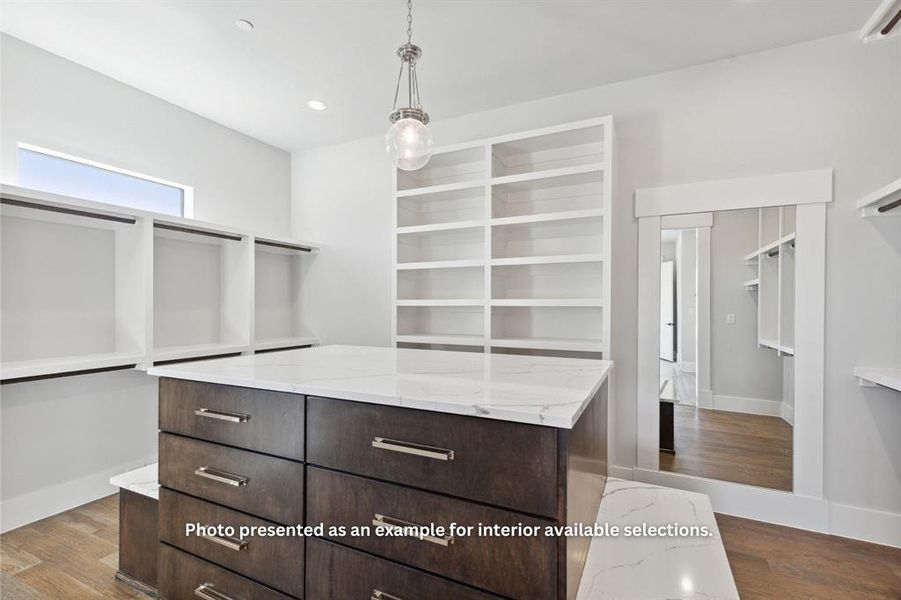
(73, 555)
(731, 446)
(774, 562)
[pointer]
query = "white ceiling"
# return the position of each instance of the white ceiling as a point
(476, 55)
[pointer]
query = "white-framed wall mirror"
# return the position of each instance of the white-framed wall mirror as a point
(731, 340)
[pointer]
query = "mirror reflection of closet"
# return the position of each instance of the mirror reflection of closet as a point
(740, 429)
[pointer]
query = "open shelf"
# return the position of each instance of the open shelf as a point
(445, 169)
(440, 284)
(886, 201)
(278, 277)
(549, 281)
(441, 246)
(872, 377)
(538, 283)
(553, 193)
(556, 149)
(465, 204)
(67, 364)
(467, 321)
(555, 238)
(71, 290)
(201, 294)
(752, 284)
(171, 353)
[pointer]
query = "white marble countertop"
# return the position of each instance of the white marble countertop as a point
(650, 568)
(525, 389)
(144, 481)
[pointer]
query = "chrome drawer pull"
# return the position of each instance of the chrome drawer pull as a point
(222, 415)
(231, 543)
(411, 448)
(392, 523)
(208, 592)
(221, 476)
(380, 595)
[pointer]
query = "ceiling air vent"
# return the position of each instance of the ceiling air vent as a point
(885, 22)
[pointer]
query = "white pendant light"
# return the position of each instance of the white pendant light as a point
(409, 141)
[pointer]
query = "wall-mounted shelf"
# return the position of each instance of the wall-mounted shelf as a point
(773, 264)
(89, 286)
(873, 377)
(500, 243)
(886, 201)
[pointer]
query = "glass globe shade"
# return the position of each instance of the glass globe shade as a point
(409, 144)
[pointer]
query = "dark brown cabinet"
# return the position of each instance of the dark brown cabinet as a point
(313, 460)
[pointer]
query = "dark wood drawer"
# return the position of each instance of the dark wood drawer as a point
(329, 566)
(262, 485)
(182, 574)
(518, 567)
(270, 422)
(513, 465)
(274, 561)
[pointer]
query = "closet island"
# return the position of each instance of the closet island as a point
(387, 439)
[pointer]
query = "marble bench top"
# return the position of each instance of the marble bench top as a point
(526, 389)
(144, 481)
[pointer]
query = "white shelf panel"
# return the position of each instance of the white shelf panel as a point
(561, 302)
(774, 345)
(869, 204)
(549, 344)
(289, 342)
(446, 187)
(445, 339)
(593, 167)
(546, 217)
(441, 264)
(197, 351)
(546, 260)
(770, 247)
(871, 377)
(66, 364)
(752, 284)
(441, 302)
(441, 226)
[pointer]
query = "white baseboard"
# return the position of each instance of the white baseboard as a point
(705, 398)
(619, 472)
(39, 504)
(865, 524)
(752, 406)
(788, 413)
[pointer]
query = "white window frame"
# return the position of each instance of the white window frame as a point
(187, 190)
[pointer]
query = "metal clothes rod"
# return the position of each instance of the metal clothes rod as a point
(223, 236)
(67, 211)
(284, 246)
(891, 205)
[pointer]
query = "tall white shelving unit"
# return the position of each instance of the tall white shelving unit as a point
(89, 286)
(503, 244)
(773, 264)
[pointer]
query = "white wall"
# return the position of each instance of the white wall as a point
(738, 368)
(63, 438)
(827, 103)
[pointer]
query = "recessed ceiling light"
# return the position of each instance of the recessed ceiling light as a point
(244, 25)
(317, 104)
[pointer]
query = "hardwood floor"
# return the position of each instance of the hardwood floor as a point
(770, 561)
(731, 446)
(73, 555)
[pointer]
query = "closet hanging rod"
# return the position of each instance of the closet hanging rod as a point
(284, 246)
(773, 253)
(67, 211)
(891, 205)
(223, 236)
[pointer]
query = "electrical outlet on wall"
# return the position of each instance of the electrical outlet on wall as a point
(730, 319)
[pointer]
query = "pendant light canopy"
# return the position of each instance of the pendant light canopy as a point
(409, 141)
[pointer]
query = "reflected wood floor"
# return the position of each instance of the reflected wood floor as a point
(73, 555)
(731, 446)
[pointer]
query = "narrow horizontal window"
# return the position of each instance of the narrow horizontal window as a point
(50, 173)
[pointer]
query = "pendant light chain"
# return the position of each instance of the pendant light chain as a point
(409, 21)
